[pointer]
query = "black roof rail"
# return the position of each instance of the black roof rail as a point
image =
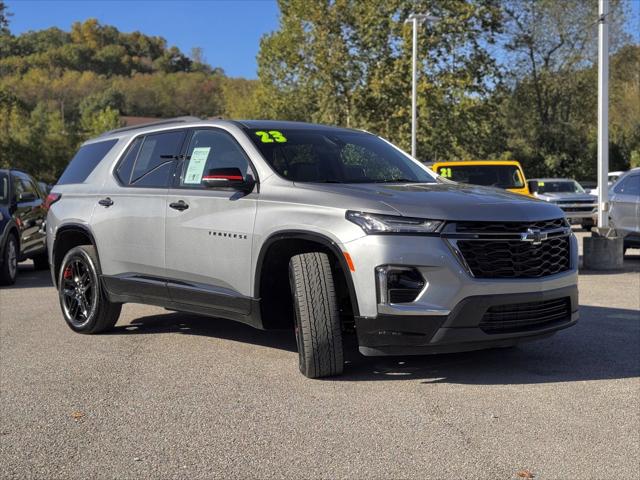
(167, 121)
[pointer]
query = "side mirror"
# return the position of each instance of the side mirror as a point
(26, 197)
(533, 186)
(228, 178)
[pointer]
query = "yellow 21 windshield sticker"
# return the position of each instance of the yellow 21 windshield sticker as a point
(271, 136)
(445, 172)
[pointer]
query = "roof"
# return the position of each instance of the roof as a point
(288, 125)
(244, 124)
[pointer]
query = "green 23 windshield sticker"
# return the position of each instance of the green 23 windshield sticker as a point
(271, 136)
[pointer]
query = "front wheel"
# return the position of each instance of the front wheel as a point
(317, 320)
(84, 303)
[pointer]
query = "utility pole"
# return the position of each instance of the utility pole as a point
(604, 250)
(414, 18)
(603, 114)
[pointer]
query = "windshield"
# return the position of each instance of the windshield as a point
(501, 176)
(557, 187)
(4, 188)
(329, 156)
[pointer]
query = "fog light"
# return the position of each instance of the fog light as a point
(396, 284)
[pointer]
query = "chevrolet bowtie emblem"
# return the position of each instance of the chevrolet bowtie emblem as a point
(533, 235)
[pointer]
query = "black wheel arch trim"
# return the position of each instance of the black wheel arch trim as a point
(73, 226)
(313, 237)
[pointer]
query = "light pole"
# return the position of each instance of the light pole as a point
(603, 114)
(605, 249)
(414, 19)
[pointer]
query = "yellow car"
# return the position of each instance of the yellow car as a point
(505, 174)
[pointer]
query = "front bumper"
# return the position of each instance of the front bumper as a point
(445, 316)
(461, 330)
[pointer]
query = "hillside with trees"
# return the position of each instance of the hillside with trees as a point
(59, 88)
(499, 79)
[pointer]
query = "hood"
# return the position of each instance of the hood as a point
(566, 196)
(442, 201)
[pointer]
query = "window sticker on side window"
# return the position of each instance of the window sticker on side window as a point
(196, 165)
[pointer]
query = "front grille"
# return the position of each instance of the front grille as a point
(512, 249)
(563, 202)
(521, 317)
(587, 209)
(515, 258)
(508, 227)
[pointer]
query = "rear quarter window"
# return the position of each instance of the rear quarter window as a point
(85, 161)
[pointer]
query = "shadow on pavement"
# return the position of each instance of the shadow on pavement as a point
(605, 344)
(191, 324)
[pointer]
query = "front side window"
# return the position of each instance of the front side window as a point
(500, 176)
(211, 149)
(327, 156)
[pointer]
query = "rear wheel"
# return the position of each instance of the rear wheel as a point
(9, 267)
(317, 320)
(84, 303)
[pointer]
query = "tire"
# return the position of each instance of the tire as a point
(9, 266)
(41, 261)
(84, 303)
(317, 320)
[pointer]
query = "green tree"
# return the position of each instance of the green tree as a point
(349, 63)
(94, 123)
(550, 116)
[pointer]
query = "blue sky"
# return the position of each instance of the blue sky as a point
(228, 31)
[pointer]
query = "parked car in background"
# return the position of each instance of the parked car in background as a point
(589, 186)
(505, 174)
(22, 224)
(624, 207)
(613, 176)
(578, 206)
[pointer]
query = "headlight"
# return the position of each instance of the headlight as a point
(373, 223)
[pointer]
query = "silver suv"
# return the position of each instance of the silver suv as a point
(315, 228)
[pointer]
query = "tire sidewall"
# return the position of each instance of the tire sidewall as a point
(302, 357)
(11, 241)
(89, 324)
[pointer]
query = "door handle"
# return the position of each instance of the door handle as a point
(180, 205)
(106, 202)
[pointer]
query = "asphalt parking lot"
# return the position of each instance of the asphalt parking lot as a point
(170, 395)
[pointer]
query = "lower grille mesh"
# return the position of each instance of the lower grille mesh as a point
(526, 316)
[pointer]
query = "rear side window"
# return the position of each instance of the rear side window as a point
(154, 161)
(85, 161)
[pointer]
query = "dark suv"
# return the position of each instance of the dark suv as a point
(22, 224)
